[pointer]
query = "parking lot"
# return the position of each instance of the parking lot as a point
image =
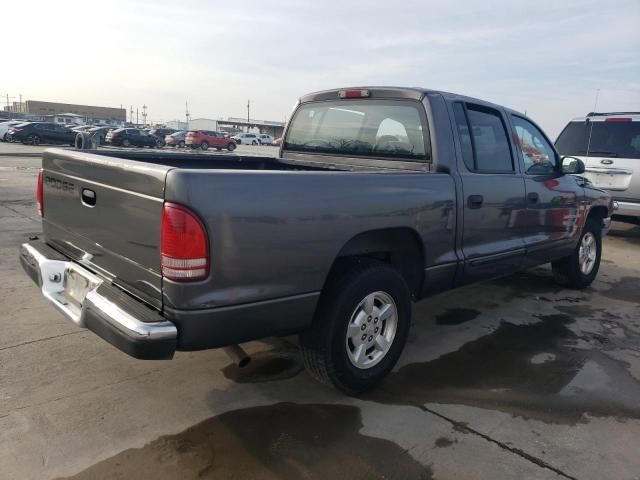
(510, 378)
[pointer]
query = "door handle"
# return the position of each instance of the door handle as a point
(475, 201)
(533, 197)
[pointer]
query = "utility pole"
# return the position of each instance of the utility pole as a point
(187, 114)
(144, 114)
(248, 115)
(130, 113)
(137, 122)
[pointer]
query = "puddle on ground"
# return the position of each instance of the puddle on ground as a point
(627, 289)
(523, 370)
(456, 316)
(267, 366)
(281, 441)
(444, 442)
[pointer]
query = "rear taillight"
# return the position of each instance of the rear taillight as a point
(184, 246)
(40, 195)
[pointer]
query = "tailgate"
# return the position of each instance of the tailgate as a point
(105, 213)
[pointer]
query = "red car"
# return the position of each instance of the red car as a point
(204, 139)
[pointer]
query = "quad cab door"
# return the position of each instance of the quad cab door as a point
(555, 202)
(493, 193)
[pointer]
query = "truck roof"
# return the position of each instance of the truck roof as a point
(409, 93)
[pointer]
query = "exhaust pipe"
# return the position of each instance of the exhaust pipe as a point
(238, 355)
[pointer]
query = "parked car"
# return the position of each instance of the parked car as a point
(264, 139)
(246, 138)
(35, 133)
(127, 137)
(380, 196)
(176, 139)
(205, 138)
(609, 145)
(160, 133)
(5, 126)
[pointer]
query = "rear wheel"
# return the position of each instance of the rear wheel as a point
(204, 146)
(360, 327)
(126, 142)
(181, 144)
(254, 143)
(580, 269)
(231, 147)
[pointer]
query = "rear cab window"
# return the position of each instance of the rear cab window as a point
(389, 129)
(601, 138)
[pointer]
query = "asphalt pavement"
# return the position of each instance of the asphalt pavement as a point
(514, 378)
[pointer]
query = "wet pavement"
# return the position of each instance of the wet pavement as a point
(510, 378)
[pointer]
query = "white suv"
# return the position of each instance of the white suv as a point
(609, 145)
(246, 138)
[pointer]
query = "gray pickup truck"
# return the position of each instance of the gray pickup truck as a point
(379, 196)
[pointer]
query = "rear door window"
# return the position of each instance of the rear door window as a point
(371, 128)
(601, 139)
(483, 138)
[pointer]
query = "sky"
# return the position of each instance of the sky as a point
(547, 58)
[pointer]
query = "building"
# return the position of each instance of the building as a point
(90, 114)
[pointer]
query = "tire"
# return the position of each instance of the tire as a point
(580, 269)
(231, 147)
(204, 145)
(126, 142)
(181, 144)
(254, 143)
(332, 346)
(32, 140)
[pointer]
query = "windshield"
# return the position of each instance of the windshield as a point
(610, 139)
(372, 128)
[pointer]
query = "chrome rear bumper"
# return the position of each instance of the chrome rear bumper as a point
(90, 302)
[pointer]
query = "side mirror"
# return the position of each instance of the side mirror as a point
(572, 166)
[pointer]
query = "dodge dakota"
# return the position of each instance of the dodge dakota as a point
(379, 196)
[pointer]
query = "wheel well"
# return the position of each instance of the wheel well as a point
(399, 247)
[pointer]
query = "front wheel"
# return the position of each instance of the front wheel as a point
(580, 269)
(231, 147)
(181, 144)
(204, 146)
(126, 143)
(360, 327)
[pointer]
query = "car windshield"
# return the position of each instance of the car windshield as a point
(608, 139)
(373, 128)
